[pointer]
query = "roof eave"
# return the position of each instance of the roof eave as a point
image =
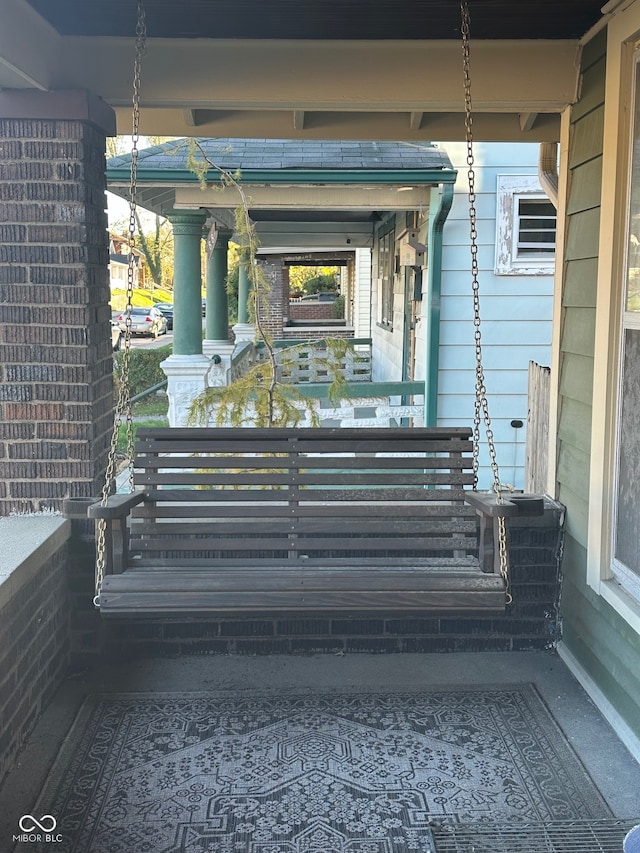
(345, 177)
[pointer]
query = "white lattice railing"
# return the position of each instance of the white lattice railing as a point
(308, 363)
(364, 412)
(243, 358)
(301, 363)
(358, 410)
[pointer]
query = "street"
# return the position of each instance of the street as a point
(140, 342)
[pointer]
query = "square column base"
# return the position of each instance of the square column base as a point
(212, 347)
(187, 377)
(244, 333)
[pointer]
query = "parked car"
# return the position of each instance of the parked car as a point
(145, 321)
(204, 307)
(167, 309)
(320, 297)
(117, 336)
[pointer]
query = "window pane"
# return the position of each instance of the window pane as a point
(633, 261)
(385, 275)
(537, 207)
(528, 236)
(627, 547)
(538, 222)
(536, 228)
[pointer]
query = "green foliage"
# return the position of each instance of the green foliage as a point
(323, 283)
(157, 248)
(337, 309)
(252, 401)
(144, 368)
(155, 404)
(140, 298)
(233, 276)
(257, 400)
(299, 277)
(121, 445)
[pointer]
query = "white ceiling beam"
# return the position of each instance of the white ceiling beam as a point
(507, 76)
(252, 87)
(276, 124)
(295, 227)
(303, 238)
(309, 198)
(190, 118)
(527, 120)
(29, 48)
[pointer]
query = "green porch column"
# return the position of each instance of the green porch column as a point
(187, 281)
(243, 330)
(187, 369)
(217, 324)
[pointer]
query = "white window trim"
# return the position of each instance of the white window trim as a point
(621, 574)
(510, 189)
(623, 33)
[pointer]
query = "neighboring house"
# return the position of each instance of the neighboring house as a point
(390, 295)
(119, 263)
(420, 334)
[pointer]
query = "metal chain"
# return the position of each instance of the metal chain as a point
(481, 409)
(123, 410)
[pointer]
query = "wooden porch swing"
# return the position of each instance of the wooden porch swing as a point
(318, 519)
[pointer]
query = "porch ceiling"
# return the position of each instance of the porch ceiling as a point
(323, 19)
(308, 69)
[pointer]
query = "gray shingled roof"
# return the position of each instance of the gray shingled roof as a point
(246, 154)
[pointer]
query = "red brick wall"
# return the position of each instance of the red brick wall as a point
(273, 307)
(302, 332)
(56, 378)
(310, 310)
(34, 651)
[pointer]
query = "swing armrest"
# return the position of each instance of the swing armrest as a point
(486, 503)
(117, 506)
(116, 529)
(490, 510)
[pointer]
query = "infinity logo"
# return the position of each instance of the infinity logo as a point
(28, 823)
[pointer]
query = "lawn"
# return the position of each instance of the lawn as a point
(147, 422)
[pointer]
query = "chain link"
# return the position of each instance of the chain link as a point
(481, 409)
(123, 410)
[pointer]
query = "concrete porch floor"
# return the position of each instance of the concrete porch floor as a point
(610, 764)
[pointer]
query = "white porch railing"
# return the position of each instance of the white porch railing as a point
(304, 362)
(372, 404)
(241, 360)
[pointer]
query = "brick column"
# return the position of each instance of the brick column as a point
(56, 376)
(273, 308)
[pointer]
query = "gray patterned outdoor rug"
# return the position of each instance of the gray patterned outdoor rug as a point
(331, 773)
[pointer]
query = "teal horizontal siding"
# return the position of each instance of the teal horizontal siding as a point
(499, 308)
(498, 333)
(461, 356)
(517, 286)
